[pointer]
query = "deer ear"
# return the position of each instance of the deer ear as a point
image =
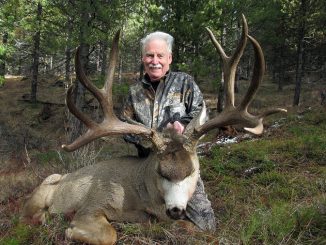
(197, 121)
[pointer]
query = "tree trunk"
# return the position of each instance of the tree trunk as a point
(196, 53)
(177, 39)
(300, 53)
(236, 81)
(120, 58)
(79, 95)
(68, 50)
(104, 51)
(3, 58)
(141, 66)
(220, 94)
(36, 53)
(281, 69)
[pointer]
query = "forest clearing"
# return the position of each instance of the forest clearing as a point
(268, 189)
(264, 189)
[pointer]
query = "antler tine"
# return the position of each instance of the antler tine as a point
(105, 94)
(238, 115)
(111, 125)
(242, 43)
(217, 45)
(81, 76)
(110, 75)
(74, 110)
(257, 76)
(230, 63)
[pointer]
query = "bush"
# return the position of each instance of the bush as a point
(2, 81)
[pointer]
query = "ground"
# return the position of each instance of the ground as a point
(252, 184)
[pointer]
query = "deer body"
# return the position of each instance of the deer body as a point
(126, 189)
(133, 189)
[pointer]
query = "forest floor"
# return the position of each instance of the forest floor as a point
(269, 189)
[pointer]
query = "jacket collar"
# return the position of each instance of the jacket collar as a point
(147, 82)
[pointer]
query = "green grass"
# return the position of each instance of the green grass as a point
(51, 233)
(282, 200)
(48, 157)
(2, 81)
(20, 234)
(283, 222)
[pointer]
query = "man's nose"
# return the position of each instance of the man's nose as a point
(155, 59)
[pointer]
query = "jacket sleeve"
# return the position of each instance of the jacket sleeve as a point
(127, 112)
(127, 115)
(193, 100)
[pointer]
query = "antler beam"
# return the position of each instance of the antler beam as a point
(239, 115)
(110, 125)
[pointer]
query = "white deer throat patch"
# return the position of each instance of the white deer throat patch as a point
(177, 194)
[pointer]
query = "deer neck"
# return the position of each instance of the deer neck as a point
(147, 182)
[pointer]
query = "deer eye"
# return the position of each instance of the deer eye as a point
(163, 176)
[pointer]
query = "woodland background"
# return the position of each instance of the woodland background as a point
(39, 37)
(264, 190)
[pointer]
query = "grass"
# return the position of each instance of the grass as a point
(283, 223)
(48, 157)
(269, 189)
(161, 233)
(282, 200)
(51, 233)
(2, 81)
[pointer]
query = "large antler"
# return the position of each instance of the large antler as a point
(110, 125)
(238, 115)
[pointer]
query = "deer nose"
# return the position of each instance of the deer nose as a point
(175, 213)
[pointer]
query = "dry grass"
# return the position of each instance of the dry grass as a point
(290, 187)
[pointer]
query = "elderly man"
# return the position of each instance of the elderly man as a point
(167, 99)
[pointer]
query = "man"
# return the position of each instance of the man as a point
(167, 99)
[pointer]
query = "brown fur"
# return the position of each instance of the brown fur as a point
(127, 189)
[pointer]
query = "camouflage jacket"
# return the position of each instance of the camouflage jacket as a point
(177, 96)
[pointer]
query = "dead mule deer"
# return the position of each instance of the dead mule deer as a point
(131, 189)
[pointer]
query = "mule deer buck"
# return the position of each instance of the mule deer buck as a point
(130, 189)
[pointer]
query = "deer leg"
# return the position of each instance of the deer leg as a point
(36, 207)
(92, 229)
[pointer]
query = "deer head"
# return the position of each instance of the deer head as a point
(176, 166)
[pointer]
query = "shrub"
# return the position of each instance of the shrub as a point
(2, 81)
(47, 157)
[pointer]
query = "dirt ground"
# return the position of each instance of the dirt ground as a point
(28, 132)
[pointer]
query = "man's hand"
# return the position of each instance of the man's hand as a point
(177, 126)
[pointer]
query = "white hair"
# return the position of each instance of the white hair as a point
(160, 36)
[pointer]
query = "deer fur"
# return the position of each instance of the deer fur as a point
(125, 189)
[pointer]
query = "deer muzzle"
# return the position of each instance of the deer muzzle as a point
(176, 213)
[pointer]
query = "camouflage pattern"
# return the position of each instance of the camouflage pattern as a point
(199, 209)
(176, 94)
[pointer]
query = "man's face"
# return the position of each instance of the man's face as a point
(156, 59)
